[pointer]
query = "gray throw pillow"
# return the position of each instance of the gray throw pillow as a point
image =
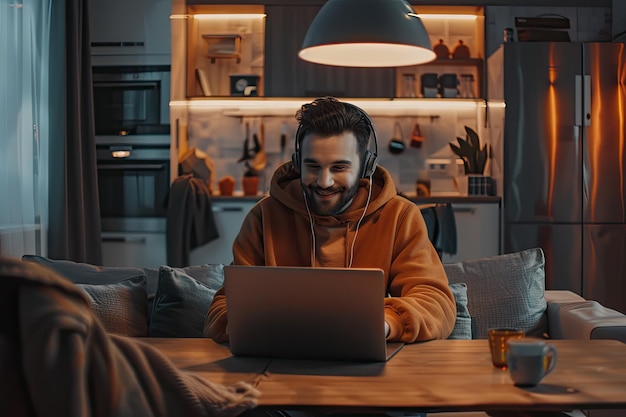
(504, 291)
(183, 299)
(83, 273)
(463, 325)
(121, 307)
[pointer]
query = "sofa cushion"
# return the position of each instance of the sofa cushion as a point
(585, 319)
(504, 291)
(121, 307)
(82, 273)
(183, 298)
(463, 325)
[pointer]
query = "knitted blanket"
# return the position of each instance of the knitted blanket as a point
(56, 359)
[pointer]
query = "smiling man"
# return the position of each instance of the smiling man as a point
(332, 206)
(329, 181)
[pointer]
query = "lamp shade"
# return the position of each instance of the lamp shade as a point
(367, 33)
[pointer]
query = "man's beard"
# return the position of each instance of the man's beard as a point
(327, 208)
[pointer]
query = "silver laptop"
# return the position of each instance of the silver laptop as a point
(307, 313)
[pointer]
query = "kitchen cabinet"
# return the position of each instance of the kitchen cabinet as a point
(130, 32)
(286, 75)
(145, 250)
(150, 250)
(229, 216)
(283, 74)
(451, 27)
(225, 50)
(478, 231)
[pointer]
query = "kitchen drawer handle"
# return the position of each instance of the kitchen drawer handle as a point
(140, 167)
(122, 44)
(122, 239)
(464, 210)
(139, 84)
(231, 209)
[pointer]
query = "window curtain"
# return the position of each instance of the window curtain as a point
(24, 133)
(48, 176)
(74, 231)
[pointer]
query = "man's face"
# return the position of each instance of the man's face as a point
(330, 171)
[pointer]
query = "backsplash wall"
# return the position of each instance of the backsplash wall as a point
(222, 138)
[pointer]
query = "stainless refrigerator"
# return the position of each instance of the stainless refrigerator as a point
(564, 163)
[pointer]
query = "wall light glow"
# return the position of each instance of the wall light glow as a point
(288, 107)
(447, 16)
(229, 16)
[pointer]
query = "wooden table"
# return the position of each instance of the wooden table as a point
(210, 360)
(443, 375)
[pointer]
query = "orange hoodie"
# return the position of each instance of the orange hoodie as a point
(392, 236)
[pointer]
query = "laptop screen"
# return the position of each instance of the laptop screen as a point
(306, 313)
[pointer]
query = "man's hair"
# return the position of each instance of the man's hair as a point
(327, 116)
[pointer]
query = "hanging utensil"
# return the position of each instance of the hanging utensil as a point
(255, 139)
(416, 136)
(246, 151)
(396, 144)
(283, 140)
(259, 160)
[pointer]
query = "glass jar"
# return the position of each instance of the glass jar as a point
(408, 85)
(467, 86)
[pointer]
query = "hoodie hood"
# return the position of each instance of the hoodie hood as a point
(286, 187)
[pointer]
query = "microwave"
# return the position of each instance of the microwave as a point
(131, 101)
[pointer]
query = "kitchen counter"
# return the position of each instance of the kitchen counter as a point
(453, 199)
(237, 198)
(477, 225)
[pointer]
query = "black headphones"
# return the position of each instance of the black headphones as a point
(369, 159)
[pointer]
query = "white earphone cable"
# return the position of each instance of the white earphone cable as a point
(356, 232)
(308, 210)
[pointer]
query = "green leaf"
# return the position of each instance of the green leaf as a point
(472, 138)
(466, 148)
(456, 149)
(481, 160)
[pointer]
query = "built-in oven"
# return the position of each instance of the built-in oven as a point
(131, 101)
(133, 185)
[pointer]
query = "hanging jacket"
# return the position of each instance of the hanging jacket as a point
(190, 220)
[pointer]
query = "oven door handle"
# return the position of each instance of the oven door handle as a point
(124, 239)
(131, 84)
(142, 167)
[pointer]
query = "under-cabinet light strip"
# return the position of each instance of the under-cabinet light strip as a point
(229, 16)
(447, 16)
(496, 104)
(217, 16)
(244, 107)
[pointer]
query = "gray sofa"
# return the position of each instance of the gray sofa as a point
(502, 291)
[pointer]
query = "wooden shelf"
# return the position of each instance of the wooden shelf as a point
(455, 62)
(474, 66)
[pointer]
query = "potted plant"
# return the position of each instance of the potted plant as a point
(255, 160)
(250, 181)
(474, 159)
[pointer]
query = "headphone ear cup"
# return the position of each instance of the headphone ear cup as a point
(295, 160)
(369, 164)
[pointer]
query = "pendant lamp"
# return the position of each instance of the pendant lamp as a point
(367, 33)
